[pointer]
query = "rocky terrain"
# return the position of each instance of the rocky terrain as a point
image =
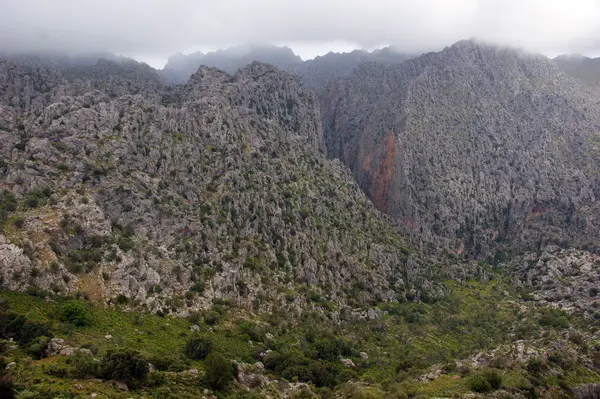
(419, 229)
(482, 149)
(226, 191)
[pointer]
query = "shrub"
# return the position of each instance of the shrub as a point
(198, 347)
(83, 364)
(76, 313)
(168, 363)
(493, 378)
(555, 318)
(486, 382)
(37, 348)
(19, 222)
(156, 379)
(211, 318)
(480, 384)
(22, 330)
(535, 365)
(125, 365)
(56, 370)
(218, 371)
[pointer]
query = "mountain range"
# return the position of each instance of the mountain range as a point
(360, 225)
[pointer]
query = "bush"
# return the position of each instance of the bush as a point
(20, 329)
(218, 371)
(535, 365)
(169, 363)
(486, 382)
(555, 318)
(493, 378)
(126, 365)
(37, 348)
(211, 318)
(19, 222)
(198, 347)
(76, 313)
(83, 365)
(480, 384)
(56, 370)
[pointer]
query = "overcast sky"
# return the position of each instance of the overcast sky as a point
(151, 30)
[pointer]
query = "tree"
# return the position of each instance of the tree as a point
(126, 365)
(218, 371)
(198, 347)
(76, 313)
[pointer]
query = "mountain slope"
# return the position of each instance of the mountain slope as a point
(489, 150)
(227, 191)
(583, 68)
(317, 73)
(124, 203)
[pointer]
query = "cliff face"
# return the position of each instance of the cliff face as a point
(478, 146)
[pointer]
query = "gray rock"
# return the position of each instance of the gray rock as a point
(474, 148)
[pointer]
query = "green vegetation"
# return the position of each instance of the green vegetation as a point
(401, 345)
(124, 365)
(76, 313)
(218, 371)
(485, 382)
(198, 347)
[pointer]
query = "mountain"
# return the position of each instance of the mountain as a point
(180, 67)
(181, 241)
(314, 73)
(233, 171)
(583, 68)
(482, 149)
(317, 73)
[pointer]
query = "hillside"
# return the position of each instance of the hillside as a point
(583, 68)
(484, 150)
(195, 240)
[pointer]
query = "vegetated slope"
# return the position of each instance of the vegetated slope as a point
(224, 195)
(482, 149)
(583, 68)
(215, 197)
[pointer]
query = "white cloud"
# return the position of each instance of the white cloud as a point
(157, 28)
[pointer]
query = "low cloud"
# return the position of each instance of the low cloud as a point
(158, 28)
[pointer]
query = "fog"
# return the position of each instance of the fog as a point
(151, 30)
